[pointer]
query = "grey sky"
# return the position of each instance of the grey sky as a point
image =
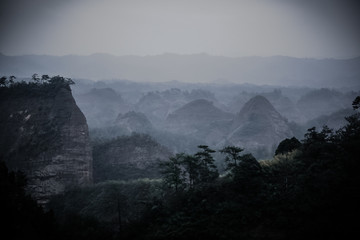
(299, 28)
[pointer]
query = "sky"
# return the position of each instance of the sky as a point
(234, 28)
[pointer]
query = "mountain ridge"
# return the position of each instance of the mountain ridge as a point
(190, 68)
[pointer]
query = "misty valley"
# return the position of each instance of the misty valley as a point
(117, 159)
(179, 120)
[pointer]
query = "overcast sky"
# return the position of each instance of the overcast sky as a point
(298, 28)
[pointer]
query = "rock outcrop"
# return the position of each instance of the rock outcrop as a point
(45, 135)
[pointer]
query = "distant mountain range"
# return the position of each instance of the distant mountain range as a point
(277, 70)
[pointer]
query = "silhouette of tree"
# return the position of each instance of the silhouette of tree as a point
(45, 78)
(288, 145)
(207, 169)
(35, 77)
(191, 165)
(232, 156)
(172, 171)
(356, 103)
(21, 217)
(11, 79)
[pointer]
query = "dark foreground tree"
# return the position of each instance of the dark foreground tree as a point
(21, 217)
(173, 173)
(233, 156)
(206, 164)
(288, 145)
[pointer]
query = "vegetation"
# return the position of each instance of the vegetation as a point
(127, 158)
(288, 145)
(310, 189)
(43, 86)
(187, 171)
(21, 217)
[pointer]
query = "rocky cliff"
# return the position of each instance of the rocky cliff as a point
(45, 135)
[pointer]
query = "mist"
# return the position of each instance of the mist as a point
(169, 119)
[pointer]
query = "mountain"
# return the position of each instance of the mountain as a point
(277, 70)
(285, 106)
(101, 106)
(157, 105)
(133, 122)
(258, 128)
(128, 157)
(335, 120)
(45, 135)
(324, 102)
(194, 116)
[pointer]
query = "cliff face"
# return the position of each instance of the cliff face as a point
(45, 135)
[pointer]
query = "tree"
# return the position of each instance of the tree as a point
(207, 168)
(61, 81)
(3, 81)
(45, 78)
(232, 156)
(288, 145)
(247, 175)
(172, 171)
(11, 79)
(191, 165)
(35, 78)
(356, 103)
(20, 216)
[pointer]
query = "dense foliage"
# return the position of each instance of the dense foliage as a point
(308, 190)
(127, 158)
(38, 86)
(21, 217)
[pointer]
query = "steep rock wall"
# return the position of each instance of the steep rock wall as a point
(45, 135)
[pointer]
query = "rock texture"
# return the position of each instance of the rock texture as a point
(45, 135)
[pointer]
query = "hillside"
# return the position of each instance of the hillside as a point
(127, 158)
(194, 116)
(258, 127)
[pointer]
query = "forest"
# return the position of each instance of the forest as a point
(308, 189)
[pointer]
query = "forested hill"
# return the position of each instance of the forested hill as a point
(309, 190)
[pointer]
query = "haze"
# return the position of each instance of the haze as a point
(311, 29)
